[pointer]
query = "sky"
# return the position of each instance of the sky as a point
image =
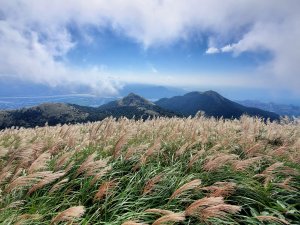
(245, 49)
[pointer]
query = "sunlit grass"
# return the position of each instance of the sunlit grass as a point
(190, 171)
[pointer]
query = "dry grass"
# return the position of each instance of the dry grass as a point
(272, 219)
(25, 218)
(150, 185)
(58, 185)
(28, 180)
(188, 186)
(195, 158)
(172, 217)
(244, 164)
(122, 140)
(131, 222)
(131, 172)
(40, 163)
(104, 190)
(211, 207)
(219, 211)
(196, 207)
(47, 179)
(220, 189)
(159, 211)
(69, 214)
(218, 160)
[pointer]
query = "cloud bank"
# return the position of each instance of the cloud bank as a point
(35, 35)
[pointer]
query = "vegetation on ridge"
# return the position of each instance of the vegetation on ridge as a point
(131, 106)
(161, 171)
(213, 104)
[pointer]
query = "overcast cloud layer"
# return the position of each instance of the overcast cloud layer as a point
(34, 35)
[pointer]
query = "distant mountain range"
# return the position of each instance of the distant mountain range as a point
(61, 113)
(131, 106)
(281, 109)
(135, 106)
(213, 104)
(17, 95)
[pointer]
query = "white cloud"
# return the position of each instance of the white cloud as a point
(281, 40)
(226, 48)
(199, 80)
(212, 50)
(34, 34)
(25, 57)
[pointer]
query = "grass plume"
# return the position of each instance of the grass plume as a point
(88, 174)
(69, 214)
(188, 186)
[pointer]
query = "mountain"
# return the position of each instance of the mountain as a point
(17, 93)
(136, 105)
(281, 109)
(51, 113)
(130, 100)
(213, 104)
(152, 92)
(20, 101)
(132, 106)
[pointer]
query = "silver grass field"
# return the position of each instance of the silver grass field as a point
(161, 171)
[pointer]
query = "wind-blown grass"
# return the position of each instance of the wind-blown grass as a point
(161, 171)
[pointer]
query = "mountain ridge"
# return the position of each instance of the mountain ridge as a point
(213, 104)
(130, 100)
(278, 108)
(131, 106)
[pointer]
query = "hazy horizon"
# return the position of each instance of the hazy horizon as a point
(241, 49)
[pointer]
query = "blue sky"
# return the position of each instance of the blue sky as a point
(117, 53)
(244, 49)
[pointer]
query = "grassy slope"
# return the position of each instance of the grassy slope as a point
(139, 151)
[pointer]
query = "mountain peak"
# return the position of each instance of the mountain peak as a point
(132, 95)
(212, 103)
(134, 100)
(193, 93)
(213, 94)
